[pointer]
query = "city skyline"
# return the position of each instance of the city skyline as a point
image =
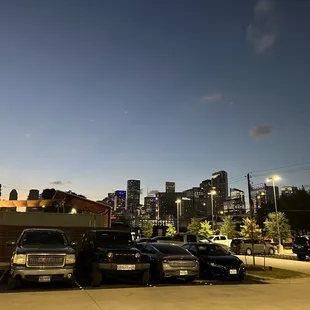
(151, 90)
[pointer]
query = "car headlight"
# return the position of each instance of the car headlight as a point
(137, 255)
(19, 259)
(215, 265)
(110, 255)
(70, 259)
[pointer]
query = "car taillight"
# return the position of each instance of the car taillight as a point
(308, 243)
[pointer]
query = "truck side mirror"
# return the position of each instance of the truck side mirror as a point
(11, 243)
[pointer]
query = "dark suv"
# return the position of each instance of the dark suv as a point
(42, 255)
(106, 253)
(301, 247)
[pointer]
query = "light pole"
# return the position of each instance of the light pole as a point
(273, 179)
(212, 193)
(178, 202)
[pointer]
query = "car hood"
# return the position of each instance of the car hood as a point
(44, 248)
(227, 260)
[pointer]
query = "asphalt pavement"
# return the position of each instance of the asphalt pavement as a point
(294, 265)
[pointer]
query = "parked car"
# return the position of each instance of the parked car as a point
(215, 262)
(221, 239)
(183, 238)
(141, 240)
(42, 255)
(105, 253)
(244, 246)
(170, 261)
(301, 247)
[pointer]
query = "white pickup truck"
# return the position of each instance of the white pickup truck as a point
(220, 239)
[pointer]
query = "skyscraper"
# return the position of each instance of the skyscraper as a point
(120, 202)
(133, 196)
(220, 182)
(170, 187)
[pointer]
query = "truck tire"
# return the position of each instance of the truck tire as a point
(301, 257)
(14, 284)
(95, 276)
(71, 282)
(145, 278)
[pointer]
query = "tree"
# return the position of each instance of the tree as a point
(271, 226)
(205, 229)
(228, 228)
(147, 229)
(48, 193)
(33, 194)
(171, 231)
(250, 229)
(194, 226)
(13, 195)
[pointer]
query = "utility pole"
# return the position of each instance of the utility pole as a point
(250, 198)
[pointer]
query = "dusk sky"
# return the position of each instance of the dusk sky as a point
(97, 92)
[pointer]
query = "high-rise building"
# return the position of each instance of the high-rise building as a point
(150, 207)
(120, 202)
(220, 182)
(166, 205)
(261, 193)
(133, 196)
(235, 204)
(170, 187)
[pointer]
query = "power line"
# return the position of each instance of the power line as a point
(283, 167)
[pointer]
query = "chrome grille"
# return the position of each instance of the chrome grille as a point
(122, 258)
(45, 260)
(182, 263)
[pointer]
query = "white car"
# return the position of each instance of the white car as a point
(221, 239)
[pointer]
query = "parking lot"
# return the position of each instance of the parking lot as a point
(240, 296)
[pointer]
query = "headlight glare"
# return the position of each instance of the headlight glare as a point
(110, 255)
(137, 255)
(19, 259)
(70, 259)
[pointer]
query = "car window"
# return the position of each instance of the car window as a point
(222, 238)
(216, 238)
(186, 247)
(149, 249)
(300, 240)
(193, 249)
(169, 249)
(191, 238)
(43, 237)
(211, 249)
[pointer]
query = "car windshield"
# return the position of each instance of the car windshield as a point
(113, 238)
(211, 249)
(169, 249)
(44, 237)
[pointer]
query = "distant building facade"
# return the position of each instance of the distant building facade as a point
(288, 190)
(235, 204)
(150, 207)
(120, 202)
(133, 196)
(220, 183)
(261, 194)
(170, 187)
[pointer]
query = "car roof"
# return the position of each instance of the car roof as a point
(43, 229)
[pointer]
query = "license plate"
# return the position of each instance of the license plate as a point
(183, 273)
(44, 279)
(126, 267)
(233, 271)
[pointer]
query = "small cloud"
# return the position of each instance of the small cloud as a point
(262, 33)
(260, 131)
(212, 97)
(59, 182)
(91, 120)
(27, 135)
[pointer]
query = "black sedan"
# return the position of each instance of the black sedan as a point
(215, 262)
(169, 261)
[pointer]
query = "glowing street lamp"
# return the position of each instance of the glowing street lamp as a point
(212, 193)
(178, 202)
(273, 179)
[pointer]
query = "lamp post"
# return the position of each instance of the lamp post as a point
(273, 179)
(178, 202)
(212, 193)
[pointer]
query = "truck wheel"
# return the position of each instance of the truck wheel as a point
(301, 257)
(71, 282)
(248, 252)
(95, 277)
(145, 278)
(13, 283)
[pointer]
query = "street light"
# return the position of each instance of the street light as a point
(273, 179)
(178, 202)
(212, 193)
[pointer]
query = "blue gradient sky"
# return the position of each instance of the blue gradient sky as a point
(98, 92)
